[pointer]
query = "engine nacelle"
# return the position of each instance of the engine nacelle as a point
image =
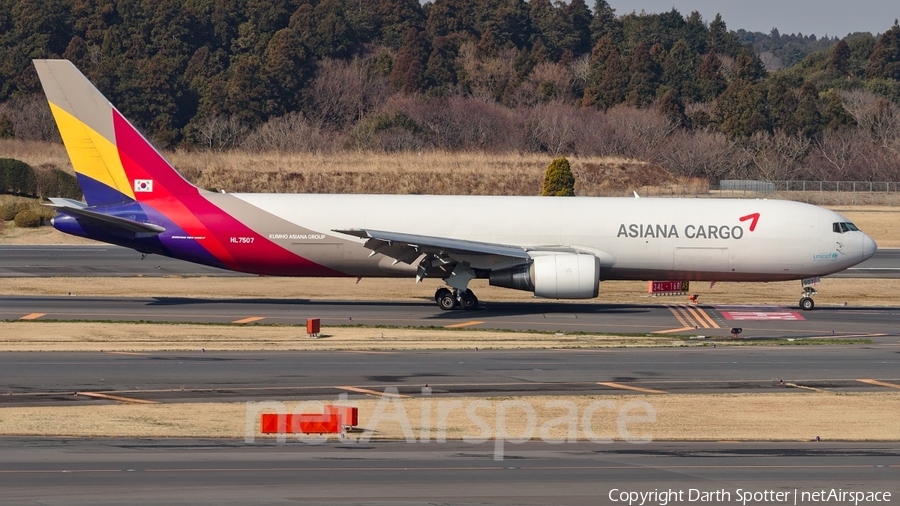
(554, 276)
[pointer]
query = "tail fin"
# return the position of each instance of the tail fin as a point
(114, 162)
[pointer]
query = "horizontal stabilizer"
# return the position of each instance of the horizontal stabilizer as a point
(79, 210)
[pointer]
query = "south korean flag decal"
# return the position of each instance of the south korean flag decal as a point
(143, 185)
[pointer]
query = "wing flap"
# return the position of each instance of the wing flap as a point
(407, 247)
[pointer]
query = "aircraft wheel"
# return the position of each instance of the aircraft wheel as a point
(440, 293)
(447, 301)
(807, 304)
(469, 301)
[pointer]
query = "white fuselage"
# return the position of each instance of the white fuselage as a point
(647, 238)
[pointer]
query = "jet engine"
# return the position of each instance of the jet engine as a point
(553, 276)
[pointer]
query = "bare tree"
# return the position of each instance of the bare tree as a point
(770, 61)
(861, 105)
(463, 123)
(488, 79)
(885, 127)
(776, 156)
(703, 154)
(31, 118)
(344, 91)
(220, 132)
(553, 128)
(639, 131)
(289, 133)
(839, 153)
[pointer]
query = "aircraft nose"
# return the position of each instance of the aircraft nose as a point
(868, 247)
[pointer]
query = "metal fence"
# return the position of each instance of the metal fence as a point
(827, 193)
(876, 193)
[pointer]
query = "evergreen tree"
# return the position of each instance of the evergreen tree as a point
(836, 117)
(740, 110)
(287, 69)
(507, 19)
(440, 71)
(678, 71)
(487, 46)
(553, 26)
(720, 40)
(782, 100)
(559, 180)
(607, 78)
(331, 34)
(409, 65)
(605, 23)
(644, 77)
(710, 80)
(448, 17)
(672, 107)
(839, 62)
(695, 33)
(247, 96)
(393, 18)
(580, 18)
(808, 117)
(885, 59)
(7, 131)
(748, 66)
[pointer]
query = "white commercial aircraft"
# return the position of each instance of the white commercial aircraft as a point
(555, 247)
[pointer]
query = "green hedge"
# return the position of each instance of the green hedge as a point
(54, 182)
(17, 178)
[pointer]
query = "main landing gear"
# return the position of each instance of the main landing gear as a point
(455, 299)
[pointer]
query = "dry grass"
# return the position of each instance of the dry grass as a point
(835, 292)
(36, 153)
(700, 417)
(426, 172)
(148, 337)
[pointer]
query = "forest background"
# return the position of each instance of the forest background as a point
(680, 93)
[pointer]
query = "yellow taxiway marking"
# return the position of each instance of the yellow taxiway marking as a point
(32, 316)
(463, 324)
(878, 383)
(708, 318)
(682, 329)
(372, 392)
(117, 398)
(629, 387)
(125, 353)
(250, 320)
(693, 312)
(678, 317)
(693, 317)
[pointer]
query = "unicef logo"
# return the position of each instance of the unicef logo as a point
(825, 256)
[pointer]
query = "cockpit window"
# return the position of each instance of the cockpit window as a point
(844, 226)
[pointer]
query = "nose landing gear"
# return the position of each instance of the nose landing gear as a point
(806, 301)
(455, 299)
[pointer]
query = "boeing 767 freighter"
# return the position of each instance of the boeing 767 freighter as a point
(555, 247)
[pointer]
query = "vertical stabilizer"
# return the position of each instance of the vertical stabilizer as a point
(114, 162)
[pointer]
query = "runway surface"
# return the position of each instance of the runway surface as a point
(756, 322)
(108, 260)
(98, 472)
(52, 378)
(139, 471)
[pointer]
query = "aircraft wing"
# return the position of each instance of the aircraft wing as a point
(81, 211)
(408, 247)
